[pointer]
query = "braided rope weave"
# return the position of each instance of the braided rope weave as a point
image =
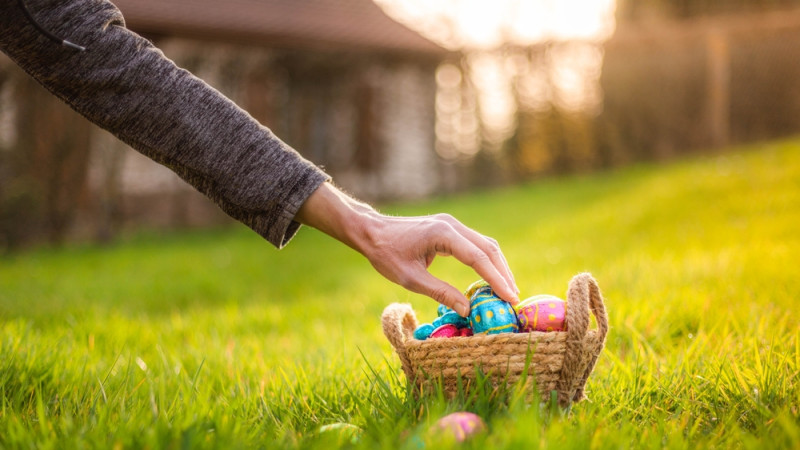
(560, 361)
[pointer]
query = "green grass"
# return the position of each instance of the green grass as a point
(215, 340)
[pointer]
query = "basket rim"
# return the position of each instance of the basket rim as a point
(482, 340)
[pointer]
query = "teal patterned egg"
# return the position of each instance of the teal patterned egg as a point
(489, 314)
(451, 318)
(423, 331)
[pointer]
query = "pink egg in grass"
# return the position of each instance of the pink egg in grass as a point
(461, 425)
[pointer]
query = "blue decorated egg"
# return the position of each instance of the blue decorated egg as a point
(489, 314)
(474, 287)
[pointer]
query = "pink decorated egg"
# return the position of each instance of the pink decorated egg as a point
(465, 332)
(445, 331)
(462, 425)
(542, 313)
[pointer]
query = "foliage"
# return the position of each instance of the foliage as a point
(635, 9)
(212, 340)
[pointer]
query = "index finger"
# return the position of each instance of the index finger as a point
(470, 254)
(488, 246)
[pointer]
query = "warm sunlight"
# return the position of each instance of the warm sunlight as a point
(505, 77)
(478, 24)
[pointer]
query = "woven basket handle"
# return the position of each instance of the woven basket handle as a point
(399, 323)
(583, 293)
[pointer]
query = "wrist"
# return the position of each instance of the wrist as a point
(363, 229)
(342, 217)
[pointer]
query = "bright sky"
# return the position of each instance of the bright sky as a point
(486, 24)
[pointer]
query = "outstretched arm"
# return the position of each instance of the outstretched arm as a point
(127, 86)
(402, 248)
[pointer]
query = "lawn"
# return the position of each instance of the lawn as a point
(216, 340)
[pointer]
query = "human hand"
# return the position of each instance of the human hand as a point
(402, 248)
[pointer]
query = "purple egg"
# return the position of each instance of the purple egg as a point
(461, 425)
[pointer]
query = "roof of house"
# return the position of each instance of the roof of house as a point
(324, 24)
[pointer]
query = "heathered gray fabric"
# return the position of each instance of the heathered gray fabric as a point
(127, 86)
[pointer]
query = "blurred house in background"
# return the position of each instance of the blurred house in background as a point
(526, 88)
(348, 87)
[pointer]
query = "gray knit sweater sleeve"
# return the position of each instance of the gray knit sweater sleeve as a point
(127, 86)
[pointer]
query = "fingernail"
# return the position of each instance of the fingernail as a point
(462, 309)
(514, 297)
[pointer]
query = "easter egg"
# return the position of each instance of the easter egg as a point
(474, 287)
(461, 425)
(423, 331)
(489, 314)
(542, 313)
(445, 331)
(343, 431)
(452, 318)
(465, 332)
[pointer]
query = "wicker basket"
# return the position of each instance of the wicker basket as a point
(560, 361)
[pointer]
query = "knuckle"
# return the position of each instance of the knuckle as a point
(406, 279)
(493, 251)
(444, 217)
(440, 295)
(438, 228)
(479, 258)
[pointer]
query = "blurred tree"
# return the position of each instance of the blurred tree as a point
(632, 10)
(553, 141)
